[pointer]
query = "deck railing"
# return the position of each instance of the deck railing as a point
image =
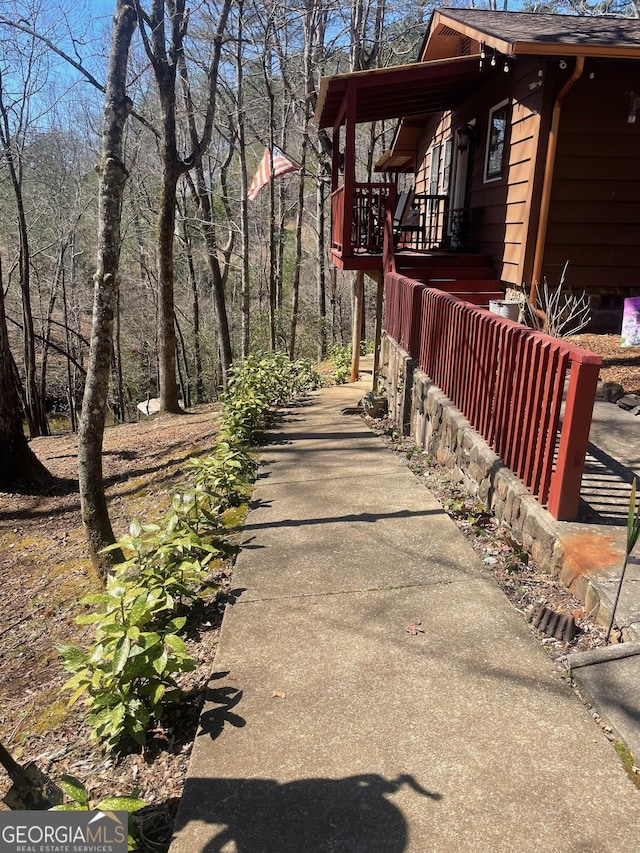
(427, 224)
(357, 224)
(337, 219)
(508, 381)
(365, 213)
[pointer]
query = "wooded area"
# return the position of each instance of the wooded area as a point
(140, 218)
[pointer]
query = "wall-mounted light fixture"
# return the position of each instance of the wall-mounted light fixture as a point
(466, 135)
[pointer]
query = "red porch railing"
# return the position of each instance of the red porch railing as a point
(357, 224)
(428, 225)
(365, 214)
(337, 219)
(508, 381)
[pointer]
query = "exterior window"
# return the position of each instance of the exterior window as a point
(440, 168)
(446, 167)
(496, 140)
(434, 170)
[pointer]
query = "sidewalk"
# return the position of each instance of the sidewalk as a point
(331, 725)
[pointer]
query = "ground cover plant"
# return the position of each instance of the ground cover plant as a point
(128, 675)
(192, 472)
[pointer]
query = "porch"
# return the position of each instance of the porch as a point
(508, 381)
(357, 224)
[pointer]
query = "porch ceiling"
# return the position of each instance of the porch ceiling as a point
(407, 90)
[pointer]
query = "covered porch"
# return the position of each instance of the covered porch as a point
(359, 208)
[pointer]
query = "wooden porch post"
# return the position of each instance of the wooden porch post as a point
(358, 313)
(564, 494)
(378, 330)
(349, 165)
(545, 202)
(335, 157)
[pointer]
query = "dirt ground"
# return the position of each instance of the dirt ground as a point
(45, 571)
(619, 364)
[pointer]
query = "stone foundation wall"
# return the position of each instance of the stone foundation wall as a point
(418, 408)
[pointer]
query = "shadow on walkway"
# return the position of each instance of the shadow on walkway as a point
(347, 815)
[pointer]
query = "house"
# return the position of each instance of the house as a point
(521, 134)
(518, 135)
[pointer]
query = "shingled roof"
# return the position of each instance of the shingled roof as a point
(519, 33)
(449, 68)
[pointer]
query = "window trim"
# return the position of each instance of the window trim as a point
(434, 179)
(492, 146)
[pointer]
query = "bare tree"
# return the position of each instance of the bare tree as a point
(11, 144)
(200, 193)
(113, 176)
(164, 50)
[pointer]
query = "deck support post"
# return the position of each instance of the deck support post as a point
(378, 329)
(358, 314)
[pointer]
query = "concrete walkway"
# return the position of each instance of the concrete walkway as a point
(373, 688)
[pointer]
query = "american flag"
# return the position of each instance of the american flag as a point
(281, 166)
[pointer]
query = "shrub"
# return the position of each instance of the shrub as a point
(130, 670)
(79, 797)
(341, 357)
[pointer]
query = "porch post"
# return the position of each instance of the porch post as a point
(335, 157)
(358, 313)
(349, 165)
(564, 494)
(378, 331)
(549, 166)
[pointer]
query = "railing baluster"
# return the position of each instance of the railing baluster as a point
(557, 389)
(506, 379)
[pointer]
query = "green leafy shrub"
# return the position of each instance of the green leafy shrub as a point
(341, 356)
(227, 475)
(79, 797)
(130, 671)
(172, 559)
(131, 667)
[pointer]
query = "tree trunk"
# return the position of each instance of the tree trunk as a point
(244, 205)
(165, 59)
(322, 263)
(295, 286)
(18, 464)
(166, 308)
(34, 413)
(113, 176)
(195, 311)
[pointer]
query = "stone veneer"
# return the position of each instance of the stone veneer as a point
(418, 408)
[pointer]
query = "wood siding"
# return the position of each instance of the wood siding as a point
(594, 218)
(501, 208)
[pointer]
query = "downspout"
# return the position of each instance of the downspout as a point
(545, 201)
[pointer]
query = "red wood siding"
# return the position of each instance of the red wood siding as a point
(502, 206)
(594, 218)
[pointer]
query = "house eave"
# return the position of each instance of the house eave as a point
(399, 91)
